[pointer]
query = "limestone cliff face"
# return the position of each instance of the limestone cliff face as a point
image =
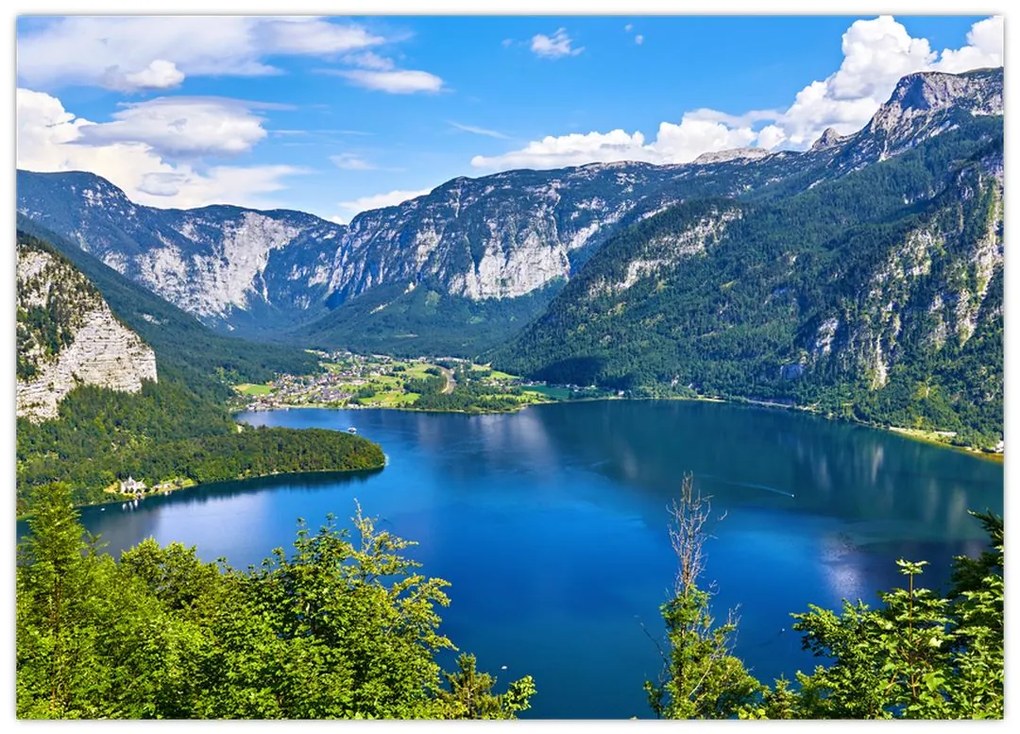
(494, 238)
(67, 336)
(929, 292)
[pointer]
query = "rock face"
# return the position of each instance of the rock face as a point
(491, 239)
(733, 154)
(923, 105)
(67, 336)
(827, 139)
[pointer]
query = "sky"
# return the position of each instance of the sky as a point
(338, 115)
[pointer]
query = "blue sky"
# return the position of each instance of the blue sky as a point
(337, 115)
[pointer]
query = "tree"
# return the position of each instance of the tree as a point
(54, 577)
(471, 697)
(344, 626)
(701, 679)
(919, 655)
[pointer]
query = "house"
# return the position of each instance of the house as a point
(130, 486)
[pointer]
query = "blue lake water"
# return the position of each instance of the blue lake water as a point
(551, 525)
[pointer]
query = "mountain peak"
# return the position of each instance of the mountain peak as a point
(925, 93)
(721, 156)
(828, 139)
(979, 90)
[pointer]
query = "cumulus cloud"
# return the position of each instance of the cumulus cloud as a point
(639, 39)
(50, 138)
(876, 54)
(160, 74)
(398, 81)
(145, 52)
(181, 126)
(556, 46)
(376, 201)
(674, 143)
(983, 49)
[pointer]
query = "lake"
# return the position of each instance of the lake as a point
(551, 525)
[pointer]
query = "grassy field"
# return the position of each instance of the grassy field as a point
(253, 390)
(556, 393)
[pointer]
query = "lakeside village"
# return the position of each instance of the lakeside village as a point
(351, 380)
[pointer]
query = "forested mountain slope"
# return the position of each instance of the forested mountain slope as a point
(876, 293)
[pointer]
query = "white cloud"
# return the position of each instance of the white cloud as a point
(160, 74)
(639, 39)
(554, 47)
(377, 201)
(49, 138)
(555, 151)
(352, 162)
(121, 52)
(370, 60)
(399, 81)
(673, 144)
(984, 48)
(475, 130)
(628, 28)
(876, 54)
(181, 126)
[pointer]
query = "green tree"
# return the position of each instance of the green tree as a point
(919, 655)
(344, 626)
(701, 678)
(471, 697)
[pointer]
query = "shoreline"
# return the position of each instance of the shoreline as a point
(201, 485)
(915, 434)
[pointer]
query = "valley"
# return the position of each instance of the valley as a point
(311, 425)
(861, 278)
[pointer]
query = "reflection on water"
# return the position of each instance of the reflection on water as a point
(551, 526)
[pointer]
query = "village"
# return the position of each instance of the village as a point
(351, 380)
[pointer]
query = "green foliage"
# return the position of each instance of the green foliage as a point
(341, 627)
(470, 695)
(701, 678)
(168, 432)
(919, 656)
(393, 320)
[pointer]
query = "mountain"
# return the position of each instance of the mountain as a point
(228, 266)
(763, 275)
(184, 347)
(67, 336)
(483, 255)
(91, 411)
(875, 291)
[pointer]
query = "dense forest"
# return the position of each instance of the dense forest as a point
(412, 320)
(165, 433)
(344, 626)
(876, 295)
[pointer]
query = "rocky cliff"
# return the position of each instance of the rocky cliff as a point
(67, 336)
